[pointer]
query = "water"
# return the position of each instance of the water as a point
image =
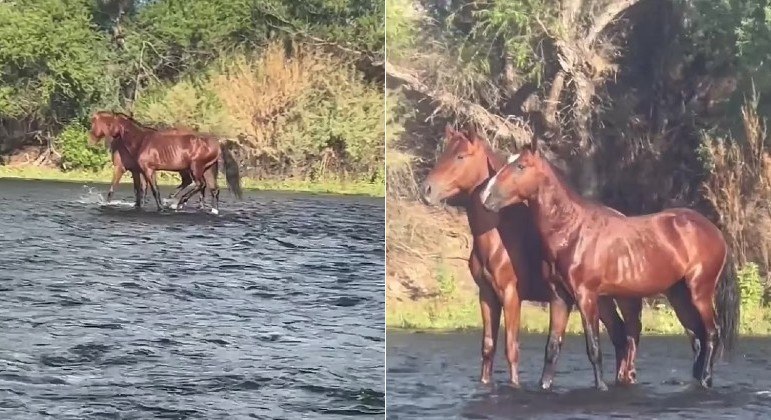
(434, 376)
(273, 309)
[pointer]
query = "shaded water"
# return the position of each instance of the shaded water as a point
(273, 309)
(434, 376)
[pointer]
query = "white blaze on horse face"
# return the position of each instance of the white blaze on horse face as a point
(489, 186)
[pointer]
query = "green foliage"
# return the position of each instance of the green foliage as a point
(732, 36)
(72, 144)
(54, 64)
(60, 62)
(516, 24)
(445, 280)
(187, 103)
(751, 286)
(401, 35)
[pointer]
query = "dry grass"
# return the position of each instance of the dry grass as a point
(258, 93)
(304, 113)
(739, 188)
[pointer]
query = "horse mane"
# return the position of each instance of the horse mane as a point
(135, 122)
(498, 158)
(561, 177)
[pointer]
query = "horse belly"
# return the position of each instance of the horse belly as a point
(639, 277)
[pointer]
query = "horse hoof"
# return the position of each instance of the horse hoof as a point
(602, 387)
(215, 211)
(546, 385)
(173, 206)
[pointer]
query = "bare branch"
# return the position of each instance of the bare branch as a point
(502, 127)
(601, 21)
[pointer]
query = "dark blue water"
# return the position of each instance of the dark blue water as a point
(273, 309)
(434, 376)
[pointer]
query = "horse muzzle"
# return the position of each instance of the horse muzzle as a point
(428, 194)
(492, 200)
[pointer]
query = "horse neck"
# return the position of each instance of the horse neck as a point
(559, 211)
(480, 219)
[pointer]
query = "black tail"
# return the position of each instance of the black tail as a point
(231, 171)
(727, 305)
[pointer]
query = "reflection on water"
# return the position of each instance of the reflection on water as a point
(434, 376)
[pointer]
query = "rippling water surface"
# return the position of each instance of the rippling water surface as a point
(273, 309)
(434, 376)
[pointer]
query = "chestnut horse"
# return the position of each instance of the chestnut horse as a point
(119, 169)
(144, 151)
(507, 263)
(599, 252)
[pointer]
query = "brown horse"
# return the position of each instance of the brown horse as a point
(119, 169)
(508, 265)
(144, 151)
(599, 252)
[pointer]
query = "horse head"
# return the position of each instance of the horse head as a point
(462, 166)
(516, 182)
(106, 125)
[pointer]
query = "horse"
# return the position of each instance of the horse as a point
(508, 265)
(119, 169)
(144, 151)
(600, 252)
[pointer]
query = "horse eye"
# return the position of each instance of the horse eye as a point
(460, 157)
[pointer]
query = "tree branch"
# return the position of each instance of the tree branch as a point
(514, 130)
(601, 21)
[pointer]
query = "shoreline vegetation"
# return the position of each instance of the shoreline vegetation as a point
(292, 106)
(104, 176)
(441, 314)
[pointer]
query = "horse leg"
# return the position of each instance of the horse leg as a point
(149, 174)
(214, 169)
(117, 174)
(680, 298)
(703, 285)
(587, 304)
(559, 314)
(491, 317)
(211, 184)
(512, 306)
(137, 178)
(631, 311)
(617, 332)
(197, 171)
(185, 180)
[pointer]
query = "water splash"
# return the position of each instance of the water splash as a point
(91, 196)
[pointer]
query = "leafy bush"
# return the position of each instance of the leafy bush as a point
(307, 114)
(750, 285)
(72, 144)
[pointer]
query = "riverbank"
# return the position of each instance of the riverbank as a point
(462, 312)
(105, 176)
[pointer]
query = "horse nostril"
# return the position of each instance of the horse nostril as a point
(426, 190)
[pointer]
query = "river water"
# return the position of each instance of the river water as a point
(434, 376)
(273, 309)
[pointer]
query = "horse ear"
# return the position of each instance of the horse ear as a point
(471, 132)
(448, 131)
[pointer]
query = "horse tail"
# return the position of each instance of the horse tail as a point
(727, 303)
(232, 175)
